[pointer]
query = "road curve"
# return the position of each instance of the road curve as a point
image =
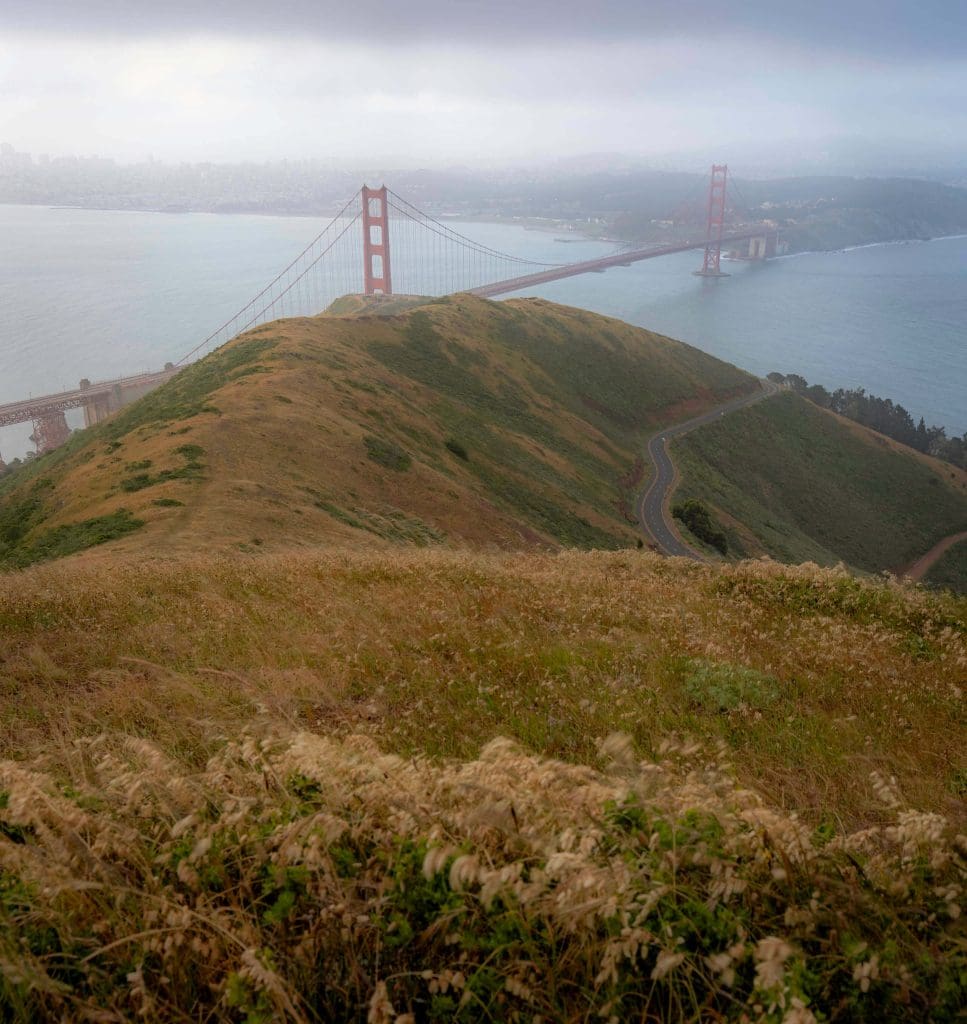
(653, 515)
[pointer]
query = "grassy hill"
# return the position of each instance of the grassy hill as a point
(796, 482)
(275, 788)
(262, 759)
(407, 421)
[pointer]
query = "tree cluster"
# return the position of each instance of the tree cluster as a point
(882, 415)
(699, 520)
(10, 467)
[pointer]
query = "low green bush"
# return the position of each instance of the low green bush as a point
(387, 453)
(699, 520)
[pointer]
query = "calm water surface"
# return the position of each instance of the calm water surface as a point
(98, 294)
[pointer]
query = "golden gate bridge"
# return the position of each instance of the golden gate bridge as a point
(358, 252)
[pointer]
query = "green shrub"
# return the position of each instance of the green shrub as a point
(699, 520)
(453, 445)
(191, 470)
(720, 686)
(70, 538)
(387, 453)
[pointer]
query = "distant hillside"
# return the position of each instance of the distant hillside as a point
(823, 213)
(800, 483)
(516, 424)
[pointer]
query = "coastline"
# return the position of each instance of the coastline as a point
(870, 245)
(540, 224)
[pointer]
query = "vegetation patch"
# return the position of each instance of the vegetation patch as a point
(456, 448)
(698, 519)
(186, 394)
(387, 453)
(391, 523)
(18, 518)
(721, 686)
(168, 503)
(191, 470)
(69, 539)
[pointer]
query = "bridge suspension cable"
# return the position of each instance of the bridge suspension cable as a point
(295, 290)
(430, 258)
(458, 264)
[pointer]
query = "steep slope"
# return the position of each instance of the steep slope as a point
(799, 483)
(415, 421)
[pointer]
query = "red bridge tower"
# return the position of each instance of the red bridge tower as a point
(715, 222)
(376, 266)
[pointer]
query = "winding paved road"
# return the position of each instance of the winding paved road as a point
(652, 504)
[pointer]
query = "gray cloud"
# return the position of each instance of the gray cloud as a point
(437, 81)
(880, 29)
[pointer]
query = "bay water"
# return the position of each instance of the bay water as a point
(101, 294)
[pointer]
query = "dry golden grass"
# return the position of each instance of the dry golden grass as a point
(275, 788)
(438, 651)
(303, 878)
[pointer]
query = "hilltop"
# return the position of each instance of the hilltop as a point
(428, 421)
(460, 421)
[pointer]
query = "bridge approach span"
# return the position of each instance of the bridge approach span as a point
(89, 395)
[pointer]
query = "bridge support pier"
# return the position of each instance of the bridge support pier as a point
(100, 407)
(50, 431)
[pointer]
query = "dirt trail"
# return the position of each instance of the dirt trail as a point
(922, 565)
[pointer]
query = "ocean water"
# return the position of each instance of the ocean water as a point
(101, 294)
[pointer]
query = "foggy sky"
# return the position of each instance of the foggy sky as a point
(473, 80)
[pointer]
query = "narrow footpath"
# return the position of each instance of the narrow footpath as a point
(925, 563)
(653, 511)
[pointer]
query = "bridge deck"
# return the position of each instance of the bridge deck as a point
(621, 259)
(33, 408)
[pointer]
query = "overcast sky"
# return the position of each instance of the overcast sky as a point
(473, 81)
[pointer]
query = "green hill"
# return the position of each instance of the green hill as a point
(403, 421)
(324, 725)
(801, 484)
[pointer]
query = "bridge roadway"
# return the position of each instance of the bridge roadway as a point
(34, 408)
(620, 259)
